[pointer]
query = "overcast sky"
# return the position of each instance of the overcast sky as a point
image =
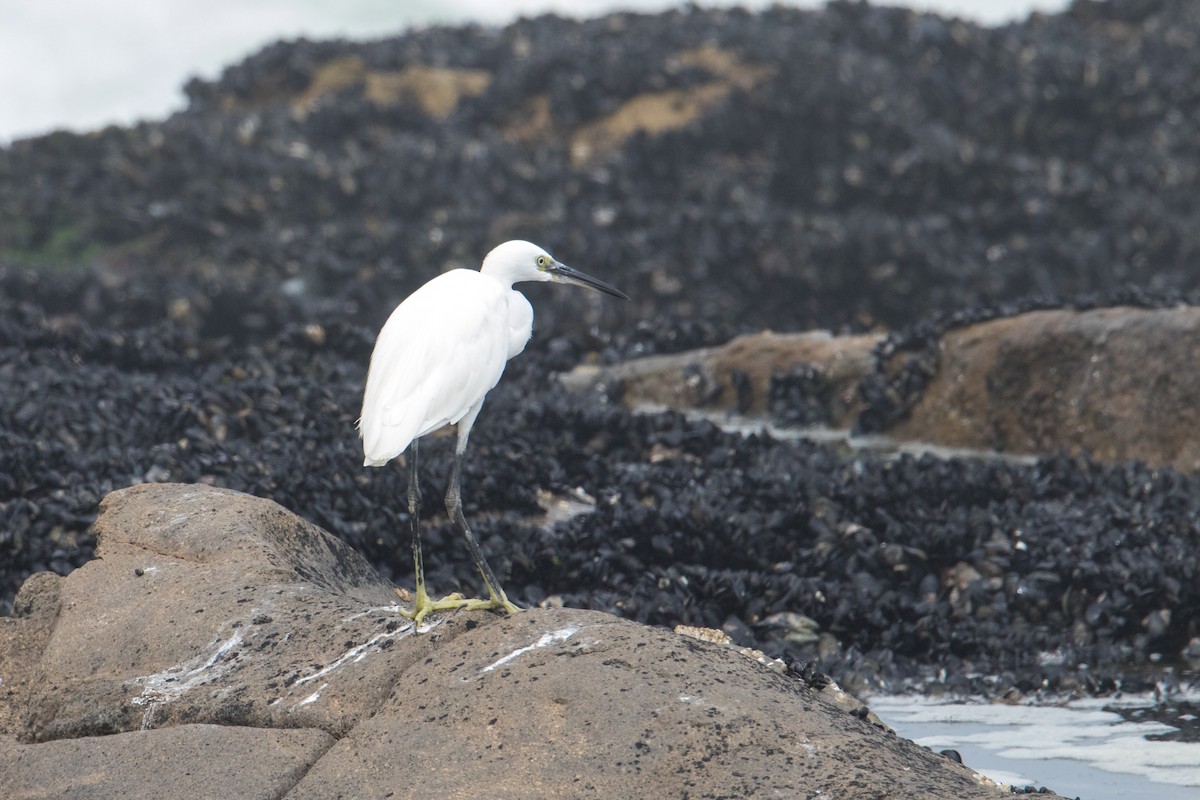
(82, 64)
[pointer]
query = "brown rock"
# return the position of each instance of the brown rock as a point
(436, 90)
(23, 639)
(705, 378)
(192, 761)
(1118, 383)
(209, 616)
(207, 605)
(571, 703)
(655, 113)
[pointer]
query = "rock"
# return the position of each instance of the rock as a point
(435, 91)
(25, 636)
(227, 644)
(1116, 383)
(195, 587)
(194, 761)
(787, 169)
(572, 703)
(656, 113)
(1113, 383)
(737, 375)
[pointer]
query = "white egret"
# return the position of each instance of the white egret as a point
(435, 360)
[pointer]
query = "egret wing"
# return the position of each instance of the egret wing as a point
(436, 357)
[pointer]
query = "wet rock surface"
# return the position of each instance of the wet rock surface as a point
(194, 300)
(313, 689)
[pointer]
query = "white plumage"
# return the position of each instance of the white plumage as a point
(440, 352)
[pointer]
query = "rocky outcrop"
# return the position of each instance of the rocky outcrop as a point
(194, 588)
(738, 376)
(1113, 383)
(220, 645)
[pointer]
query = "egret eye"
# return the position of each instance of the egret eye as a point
(542, 262)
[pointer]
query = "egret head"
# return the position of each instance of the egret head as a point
(516, 261)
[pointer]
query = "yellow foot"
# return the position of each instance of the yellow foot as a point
(423, 605)
(493, 603)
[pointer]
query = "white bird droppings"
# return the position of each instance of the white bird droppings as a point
(394, 608)
(172, 683)
(546, 639)
(356, 653)
(312, 698)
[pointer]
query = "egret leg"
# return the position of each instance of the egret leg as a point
(496, 597)
(422, 605)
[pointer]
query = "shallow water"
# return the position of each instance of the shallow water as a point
(1094, 749)
(877, 444)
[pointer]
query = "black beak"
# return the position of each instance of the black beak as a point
(565, 274)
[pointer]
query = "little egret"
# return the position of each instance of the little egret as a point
(435, 360)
